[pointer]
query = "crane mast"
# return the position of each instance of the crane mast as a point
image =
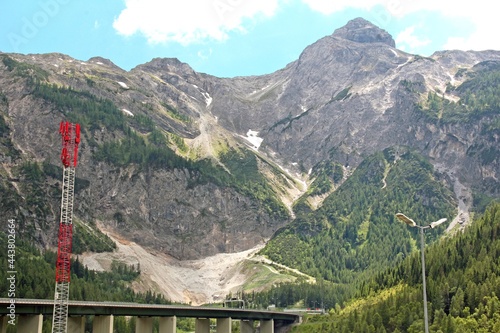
(70, 135)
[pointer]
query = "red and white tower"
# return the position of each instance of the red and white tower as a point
(70, 134)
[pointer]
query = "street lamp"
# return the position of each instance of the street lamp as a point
(411, 223)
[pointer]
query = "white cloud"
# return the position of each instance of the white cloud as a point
(205, 54)
(480, 13)
(483, 38)
(407, 38)
(189, 21)
(194, 21)
(332, 6)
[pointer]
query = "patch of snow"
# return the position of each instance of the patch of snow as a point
(395, 53)
(405, 63)
(123, 85)
(254, 139)
(127, 112)
(208, 98)
(55, 65)
(99, 63)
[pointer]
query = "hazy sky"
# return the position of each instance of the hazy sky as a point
(234, 37)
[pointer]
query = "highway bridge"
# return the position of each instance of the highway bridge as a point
(28, 315)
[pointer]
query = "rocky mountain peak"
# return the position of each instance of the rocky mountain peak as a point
(173, 65)
(362, 31)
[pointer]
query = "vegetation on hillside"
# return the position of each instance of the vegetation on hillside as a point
(463, 284)
(479, 96)
(327, 176)
(355, 231)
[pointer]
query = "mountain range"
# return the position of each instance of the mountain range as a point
(192, 165)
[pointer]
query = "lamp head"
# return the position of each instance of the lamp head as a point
(406, 219)
(438, 222)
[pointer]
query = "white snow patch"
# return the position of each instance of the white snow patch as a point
(208, 98)
(55, 65)
(127, 112)
(395, 53)
(99, 63)
(123, 84)
(254, 139)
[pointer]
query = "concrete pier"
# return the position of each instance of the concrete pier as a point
(224, 325)
(202, 325)
(102, 324)
(76, 324)
(246, 326)
(267, 326)
(144, 325)
(168, 324)
(30, 323)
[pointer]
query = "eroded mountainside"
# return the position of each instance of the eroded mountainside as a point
(193, 165)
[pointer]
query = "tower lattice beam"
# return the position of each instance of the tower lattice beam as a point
(70, 135)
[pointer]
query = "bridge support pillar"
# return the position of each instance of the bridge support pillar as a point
(76, 324)
(3, 324)
(224, 325)
(168, 324)
(246, 326)
(30, 324)
(144, 325)
(102, 324)
(267, 326)
(202, 325)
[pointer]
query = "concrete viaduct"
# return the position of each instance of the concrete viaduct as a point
(30, 314)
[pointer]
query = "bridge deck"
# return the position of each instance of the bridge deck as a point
(79, 308)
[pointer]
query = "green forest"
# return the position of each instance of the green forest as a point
(463, 284)
(355, 231)
(479, 96)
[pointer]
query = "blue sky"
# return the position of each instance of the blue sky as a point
(228, 38)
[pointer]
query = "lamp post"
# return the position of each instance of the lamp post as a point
(411, 223)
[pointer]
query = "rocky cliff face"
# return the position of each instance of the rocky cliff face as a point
(348, 95)
(172, 210)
